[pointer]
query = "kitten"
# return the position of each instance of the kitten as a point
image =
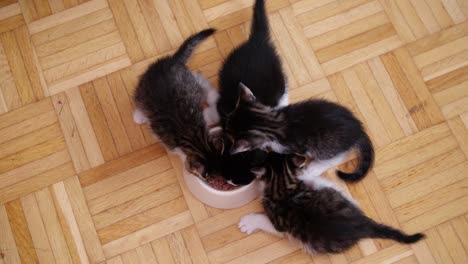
(318, 215)
(256, 64)
(321, 130)
(236, 169)
(169, 97)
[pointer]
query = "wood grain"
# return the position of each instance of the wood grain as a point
(80, 182)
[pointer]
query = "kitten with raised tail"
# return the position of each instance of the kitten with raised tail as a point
(323, 131)
(256, 64)
(317, 214)
(169, 97)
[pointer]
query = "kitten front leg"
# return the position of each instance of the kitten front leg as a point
(252, 222)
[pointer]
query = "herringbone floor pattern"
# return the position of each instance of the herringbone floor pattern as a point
(81, 183)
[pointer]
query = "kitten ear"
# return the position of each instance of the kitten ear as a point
(195, 167)
(246, 94)
(299, 160)
(240, 146)
(216, 138)
(258, 171)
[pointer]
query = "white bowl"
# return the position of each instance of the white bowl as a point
(220, 199)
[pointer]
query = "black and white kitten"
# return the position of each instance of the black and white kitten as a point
(318, 129)
(256, 64)
(316, 214)
(169, 97)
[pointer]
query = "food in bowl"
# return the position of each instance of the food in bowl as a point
(219, 183)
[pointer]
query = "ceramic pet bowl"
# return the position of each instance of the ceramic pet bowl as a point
(220, 199)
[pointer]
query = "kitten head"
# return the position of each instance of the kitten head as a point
(207, 162)
(278, 164)
(236, 168)
(250, 124)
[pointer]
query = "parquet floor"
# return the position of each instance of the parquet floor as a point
(81, 183)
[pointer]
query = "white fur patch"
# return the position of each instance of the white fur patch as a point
(211, 116)
(274, 146)
(318, 167)
(284, 101)
(139, 117)
(253, 222)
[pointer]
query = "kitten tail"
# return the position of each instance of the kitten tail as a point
(259, 30)
(366, 159)
(383, 231)
(185, 51)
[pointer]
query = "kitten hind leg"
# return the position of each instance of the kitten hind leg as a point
(318, 167)
(252, 222)
(210, 114)
(139, 117)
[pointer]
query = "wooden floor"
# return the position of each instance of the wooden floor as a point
(80, 182)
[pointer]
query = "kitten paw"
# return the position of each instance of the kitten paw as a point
(249, 223)
(139, 117)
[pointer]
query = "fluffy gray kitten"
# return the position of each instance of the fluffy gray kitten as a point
(315, 213)
(169, 97)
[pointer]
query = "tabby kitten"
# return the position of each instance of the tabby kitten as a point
(169, 97)
(316, 214)
(321, 130)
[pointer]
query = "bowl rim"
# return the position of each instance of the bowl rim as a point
(212, 190)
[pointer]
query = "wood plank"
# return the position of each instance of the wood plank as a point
(125, 109)
(30, 140)
(113, 118)
(301, 43)
(10, 98)
(130, 192)
(34, 168)
(361, 55)
(29, 155)
(72, 136)
(439, 215)
(162, 251)
(84, 48)
(71, 27)
(83, 124)
(194, 245)
(178, 248)
(196, 207)
(7, 241)
(133, 223)
(18, 67)
(98, 121)
(69, 224)
(124, 163)
(451, 240)
(37, 229)
(20, 231)
(148, 234)
(31, 63)
(84, 221)
(356, 42)
(75, 38)
(37, 182)
(53, 228)
(127, 178)
(129, 37)
(137, 206)
(67, 15)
